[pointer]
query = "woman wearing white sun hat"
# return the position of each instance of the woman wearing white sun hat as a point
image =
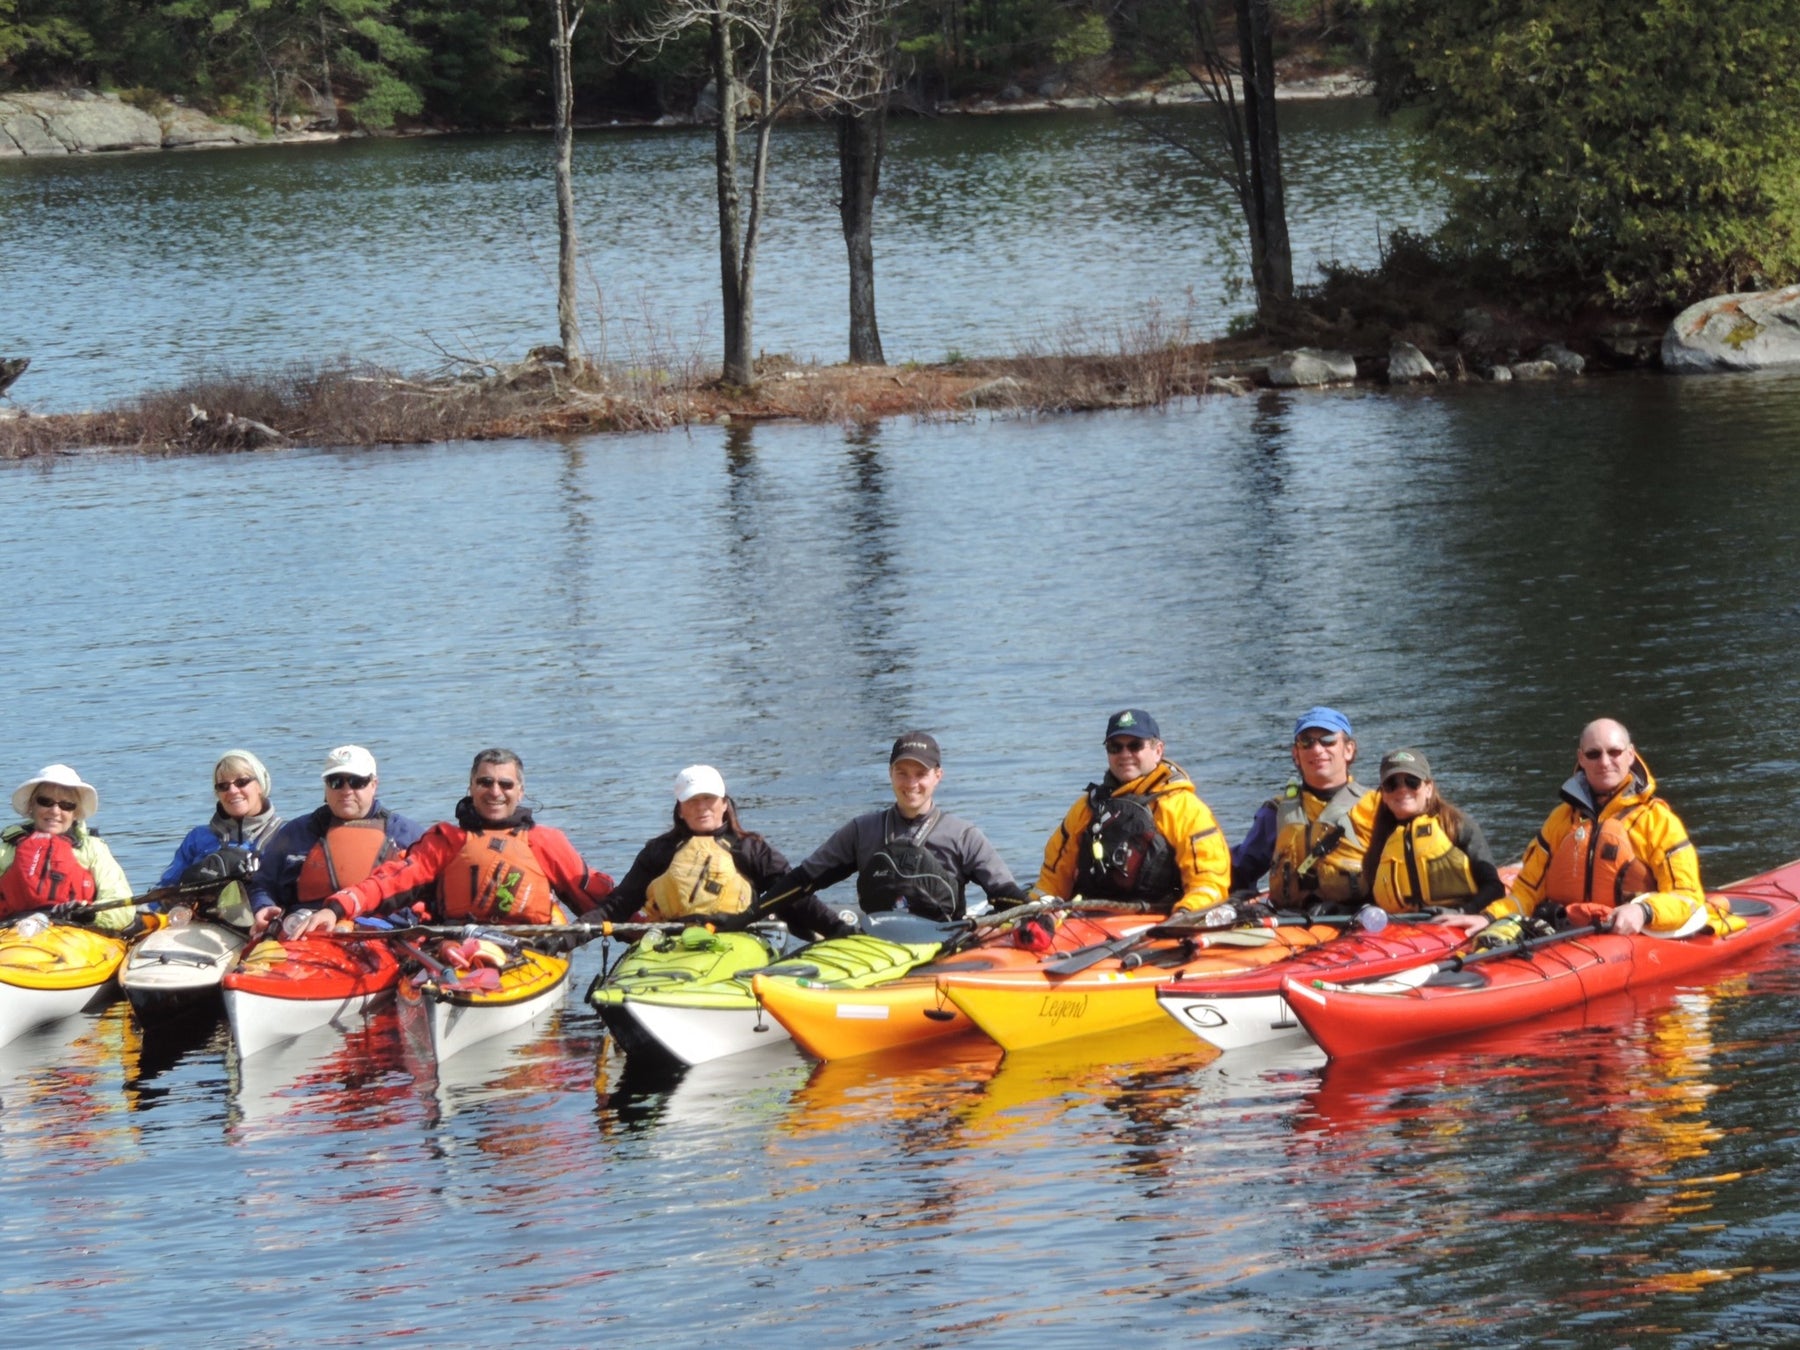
(53, 859)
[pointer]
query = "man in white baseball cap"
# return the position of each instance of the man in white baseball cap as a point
(330, 848)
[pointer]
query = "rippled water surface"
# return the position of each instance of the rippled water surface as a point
(1474, 572)
(991, 232)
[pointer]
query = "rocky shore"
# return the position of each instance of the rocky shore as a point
(82, 122)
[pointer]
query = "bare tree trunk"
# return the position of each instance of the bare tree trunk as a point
(737, 366)
(326, 97)
(568, 249)
(1271, 259)
(861, 138)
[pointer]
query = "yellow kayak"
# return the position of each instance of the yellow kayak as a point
(53, 973)
(1025, 1009)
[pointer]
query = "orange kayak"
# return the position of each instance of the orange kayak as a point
(831, 1021)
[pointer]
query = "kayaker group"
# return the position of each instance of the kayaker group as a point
(1612, 853)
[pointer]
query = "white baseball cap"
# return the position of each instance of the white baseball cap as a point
(698, 779)
(350, 759)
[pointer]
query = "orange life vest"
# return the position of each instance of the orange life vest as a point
(44, 872)
(1595, 864)
(496, 879)
(350, 850)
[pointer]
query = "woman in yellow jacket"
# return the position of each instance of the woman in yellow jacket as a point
(1424, 852)
(1140, 833)
(1612, 852)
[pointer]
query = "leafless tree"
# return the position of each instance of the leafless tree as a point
(813, 66)
(568, 246)
(859, 36)
(1247, 154)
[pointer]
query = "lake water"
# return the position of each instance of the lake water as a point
(991, 232)
(1474, 571)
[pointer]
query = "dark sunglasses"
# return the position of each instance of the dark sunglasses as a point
(348, 780)
(231, 783)
(47, 802)
(1610, 752)
(1327, 740)
(1120, 747)
(1396, 780)
(504, 784)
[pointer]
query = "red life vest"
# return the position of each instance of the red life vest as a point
(350, 850)
(44, 872)
(1595, 864)
(496, 878)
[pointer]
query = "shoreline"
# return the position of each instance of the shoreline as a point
(46, 124)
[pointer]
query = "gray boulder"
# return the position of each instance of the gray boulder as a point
(1306, 367)
(1408, 365)
(78, 122)
(1749, 331)
(1534, 370)
(1499, 374)
(1566, 362)
(189, 129)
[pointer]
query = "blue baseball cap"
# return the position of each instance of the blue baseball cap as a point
(1132, 722)
(1323, 719)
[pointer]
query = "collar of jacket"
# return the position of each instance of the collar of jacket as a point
(475, 823)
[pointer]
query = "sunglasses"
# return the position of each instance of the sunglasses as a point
(1394, 782)
(48, 802)
(347, 780)
(1308, 742)
(504, 784)
(1610, 752)
(1120, 747)
(231, 783)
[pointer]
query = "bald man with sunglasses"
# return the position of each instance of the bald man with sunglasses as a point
(1613, 852)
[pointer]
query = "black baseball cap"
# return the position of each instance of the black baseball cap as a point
(919, 745)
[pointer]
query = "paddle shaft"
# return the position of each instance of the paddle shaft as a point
(1521, 948)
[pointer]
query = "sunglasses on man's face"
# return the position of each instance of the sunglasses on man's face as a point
(1608, 751)
(1328, 739)
(1121, 747)
(504, 784)
(338, 781)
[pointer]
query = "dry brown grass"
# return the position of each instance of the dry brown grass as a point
(1144, 362)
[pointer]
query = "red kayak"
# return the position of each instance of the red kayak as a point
(1436, 1001)
(1244, 1008)
(281, 990)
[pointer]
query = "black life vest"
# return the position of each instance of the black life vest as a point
(904, 874)
(1122, 854)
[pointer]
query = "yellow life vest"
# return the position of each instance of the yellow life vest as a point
(1421, 866)
(702, 878)
(1301, 820)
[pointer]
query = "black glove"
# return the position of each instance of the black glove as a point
(71, 912)
(1308, 882)
(203, 871)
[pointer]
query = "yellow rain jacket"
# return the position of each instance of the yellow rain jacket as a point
(1201, 855)
(1656, 835)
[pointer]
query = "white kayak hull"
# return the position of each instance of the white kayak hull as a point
(1233, 1021)
(453, 1027)
(23, 1010)
(259, 1021)
(699, 1035)
(175, 969)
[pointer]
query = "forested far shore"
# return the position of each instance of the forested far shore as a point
(336, 65)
